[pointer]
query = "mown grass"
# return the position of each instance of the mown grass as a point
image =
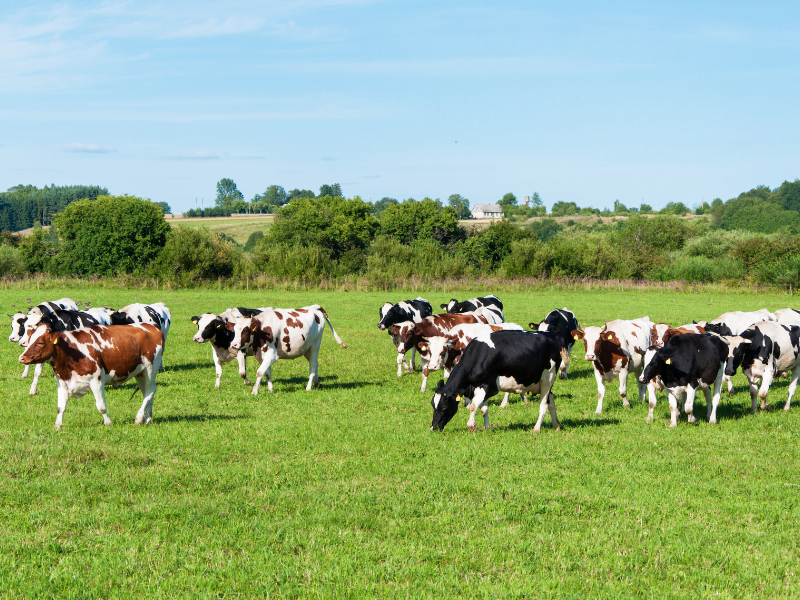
(344, 491)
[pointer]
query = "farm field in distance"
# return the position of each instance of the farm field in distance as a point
(239, 227)
(343, 492)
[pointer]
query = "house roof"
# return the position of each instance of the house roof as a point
(491, 208)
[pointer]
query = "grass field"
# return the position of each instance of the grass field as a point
(239, 228)
(344, 492)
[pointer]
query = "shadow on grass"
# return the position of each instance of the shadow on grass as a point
(197, 418)
(565, 424)
(188, 366)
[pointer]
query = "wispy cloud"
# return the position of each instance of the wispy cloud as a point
(198, 155)
(88, 148)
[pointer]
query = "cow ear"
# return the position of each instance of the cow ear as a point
(534, 326)
(253, 327)
(576, 333)
(443, 305)
(195, 320)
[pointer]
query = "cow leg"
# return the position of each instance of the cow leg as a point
(673, 409)
(217, 366)
(411, 366)
(478, 398)
(766, 381)
(424, 374)
(241, 358)
(623, 387)
(312, 355)
(753, 381)
(548, 400)
(601, 391)
(652, 399)
(99, 391)
(709, 405)
(63, 397)
(730, 384)
(715, 398)
(25, 371)
(148, 387)
(792, 386)
(401, 359)
(269, 358)
(689, 406)
(37, 372)
(564, 367)
(504, 403)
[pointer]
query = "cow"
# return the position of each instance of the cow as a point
(788, 316)
(156, 314)
(407, 310)
(409, 334)
(613, 349)
(766, 351)
(103, 315)
(36, 313)
(563, 322)
(283, 333)
(444, 350)
(492, 314)
(17, 331)
(513, 361)
(685, 364)
(661, 333)
(454, 306)
(218, 329)
(57, 320)
(89, 359)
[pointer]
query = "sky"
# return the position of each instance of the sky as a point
(583, 102)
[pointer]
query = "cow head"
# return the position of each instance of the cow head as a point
(718, 328)
(658, 334)
(653, 361)
(737, 348)
(434, 350)
(449, 305)
(243, 330)
(208, 325)
(592, 338)
(17, 326)
(404, 336)
(384, 311)
(121, 318)
(41, 346)
(444, 406)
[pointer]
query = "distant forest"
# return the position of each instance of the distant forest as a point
(24, 205)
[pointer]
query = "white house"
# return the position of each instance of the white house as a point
(487, 211)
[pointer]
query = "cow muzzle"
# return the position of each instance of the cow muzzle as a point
(590, 357)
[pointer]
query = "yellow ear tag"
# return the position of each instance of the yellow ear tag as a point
(668, 361)
(194, 321)
(252, 328)
(609, 336)
(423, 348)
(55, 341)
(220, 325)
(459, 398)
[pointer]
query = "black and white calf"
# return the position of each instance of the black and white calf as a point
(685, 364)
(218, 329)
(766, 351)
(511, 361)
(562, 322)
(471, 305)
(56, 321)
(413, 311)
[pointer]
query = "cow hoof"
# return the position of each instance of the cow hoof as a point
(472, 428)
(598, 412)
(537, 429)
(649, 419)
(766, 407)
(57, 427)
(557, 428)
(712, 421)
(254, 393)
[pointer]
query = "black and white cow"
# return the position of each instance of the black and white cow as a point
(218, 329)
(54, 322)
(766, 351)
(562, 322)
(512, 361)
(37, 312)
(471, 305)
(734, 323)
(685, 364)
(788, 316)
(413, 311)
(156, 314)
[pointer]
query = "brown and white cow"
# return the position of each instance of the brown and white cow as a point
(660, 333)
(283, 333)
(409, 334)
(89, 359)
(614, 350)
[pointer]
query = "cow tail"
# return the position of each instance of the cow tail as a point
(335, 335)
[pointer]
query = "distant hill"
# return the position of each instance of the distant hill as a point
(24, 205)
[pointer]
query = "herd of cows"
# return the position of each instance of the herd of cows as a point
(478, 351)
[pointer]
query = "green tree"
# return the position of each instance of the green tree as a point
(564, 209)
(227, 193)
(459, 204)
(335, 190)
(165, 208)
(110, 235)
(536, 200)
(507, 201)
(380, 206)
(295, 193)
(619, 207)
(196, 253)
(419, 220)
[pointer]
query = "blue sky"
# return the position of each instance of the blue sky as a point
(581, 101)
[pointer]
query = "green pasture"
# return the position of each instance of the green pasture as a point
(238, 229)
(344, 492)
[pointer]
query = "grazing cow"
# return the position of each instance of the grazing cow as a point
(443, 350)
(409, 334)
(57, 320)
(407, 310)
(283, 333)
(788, 316)
(563, 322)
(513, 361)
(661, 333)
(614, 349)
(685, 364)
(218, 329)
(156, 314)
(88, 359)
(454, 306)
(766, 351)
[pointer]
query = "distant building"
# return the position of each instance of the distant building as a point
(487, 211)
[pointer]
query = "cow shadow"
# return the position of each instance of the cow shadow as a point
(197, 418)
(565, 424)
(187, 366)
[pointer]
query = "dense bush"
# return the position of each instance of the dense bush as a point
(293, 261)
(421, 220)
(12, 264)
(192, 254)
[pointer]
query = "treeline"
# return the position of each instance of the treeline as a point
(22, 206)
(230, 200)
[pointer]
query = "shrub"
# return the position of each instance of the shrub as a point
(12, 264)
(522, 259)
(252, 240)
(192, 254)
(291, 261)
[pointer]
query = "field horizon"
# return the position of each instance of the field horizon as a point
(344, 491)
